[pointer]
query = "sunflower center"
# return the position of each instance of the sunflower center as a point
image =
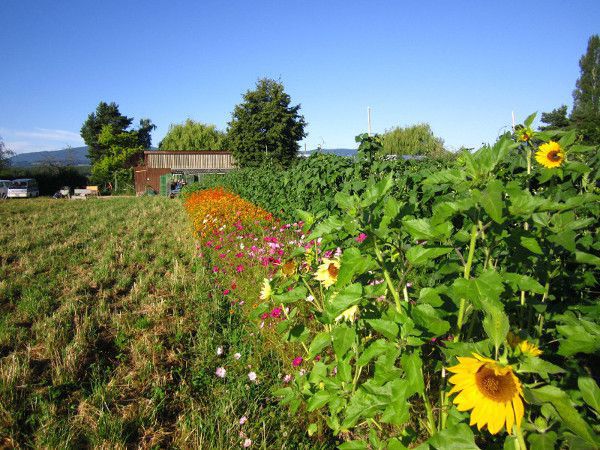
(554, 156)
(500, 388)
(332, 270)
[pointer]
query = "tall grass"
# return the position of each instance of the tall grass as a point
(108, 334)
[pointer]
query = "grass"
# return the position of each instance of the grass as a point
(109, 326)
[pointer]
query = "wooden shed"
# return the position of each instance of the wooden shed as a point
(158, 163)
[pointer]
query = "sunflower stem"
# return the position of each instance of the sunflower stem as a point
(431, 427)
(386, 276)
(467, 275)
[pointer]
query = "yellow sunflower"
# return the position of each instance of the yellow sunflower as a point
(327, 272)
(524, 134)
(266, 291)
(530, 349)
(491, 391)
(289, 268)
(550, 155)
(349, 314)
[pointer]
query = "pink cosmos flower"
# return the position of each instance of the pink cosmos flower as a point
(360, 238)
(226, 292)
(297, 361)
(243, 420)
(247, 442)
(220, 372)
(239, 269)
(252, 376)
(276, 312)
(287, 378)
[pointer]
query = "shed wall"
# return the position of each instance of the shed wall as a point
(148, 177)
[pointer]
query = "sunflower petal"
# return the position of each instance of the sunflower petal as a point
(519, 409)
(510, 417)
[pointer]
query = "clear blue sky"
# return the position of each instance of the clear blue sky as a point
(462, 66)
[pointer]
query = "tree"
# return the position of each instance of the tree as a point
(265, 127)
(556, 119)
(5, 155)
(192, 135)
(586, 96)
(413, 140)
(109, 114)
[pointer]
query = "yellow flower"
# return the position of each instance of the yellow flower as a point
(491, 391)
(524, 134)
(550, 155)
(289, 268)
(266, 291)
(530, 349)
(327, 272)
(349, 314)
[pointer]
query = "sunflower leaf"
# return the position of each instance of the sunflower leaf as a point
(496, 326)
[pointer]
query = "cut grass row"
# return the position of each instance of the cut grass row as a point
(108, 334)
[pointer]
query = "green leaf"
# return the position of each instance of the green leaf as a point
(458, 437)
(312, 429)
(577, 340)
(353, 263)
(373, 350)
(531, 244)
(353, 445)
(427, 317)
(423, 230)
(542, 441)
(590, 392)
(533, 364)
(387, 328)
(529, 120)
(419, 255)
(523, 282)
(496, 326)
(318, 400)
(298, 293)
(491, 200)
(412, 364)
(586, 258)
(343, 339)
(569, 415)
(347, 297)
(395, 444)
(319, 342)
(483, 291)
(346, 202)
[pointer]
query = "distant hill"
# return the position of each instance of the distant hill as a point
(76, 156)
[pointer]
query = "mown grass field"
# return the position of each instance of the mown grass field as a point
(108, 334)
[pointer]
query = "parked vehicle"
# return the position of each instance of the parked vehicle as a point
(23, 187)
(4, 185)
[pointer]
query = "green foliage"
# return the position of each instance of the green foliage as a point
(556, 119)
(50, 178)
(108, 115)
(265, 128)
(192, 135)
(440, 261)
(412, 140)
(586, 96)
(5, 154)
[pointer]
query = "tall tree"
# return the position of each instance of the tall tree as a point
(192, 135)
(556, 119)
(586, 96)
(5, 154)
(413, 140)
(106, 114)
(265, 127)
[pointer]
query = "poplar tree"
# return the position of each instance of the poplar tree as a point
(586, 96)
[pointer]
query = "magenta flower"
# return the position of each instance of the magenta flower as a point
(276, 312)
(239, 268)
(226, 292)
(360, 238)
(297, 361)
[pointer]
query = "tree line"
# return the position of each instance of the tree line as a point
(267, 127)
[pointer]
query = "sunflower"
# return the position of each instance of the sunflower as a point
(266, 291)
(289, 268)
(524, 134)
(527, 348)
(327, 272)
(491, 391)
(550, 155)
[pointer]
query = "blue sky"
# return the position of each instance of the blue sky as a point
(461, 66)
